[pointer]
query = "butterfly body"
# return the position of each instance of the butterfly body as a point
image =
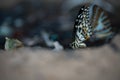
(92, 23)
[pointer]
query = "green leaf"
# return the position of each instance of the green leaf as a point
(11, 44)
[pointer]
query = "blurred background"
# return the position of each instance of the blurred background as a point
(40, 22)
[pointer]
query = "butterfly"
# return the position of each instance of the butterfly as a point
(92, 23)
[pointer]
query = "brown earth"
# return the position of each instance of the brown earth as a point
(40, 64)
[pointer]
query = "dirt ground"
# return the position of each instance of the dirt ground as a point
(100, 63)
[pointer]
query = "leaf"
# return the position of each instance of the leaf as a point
(12, 44)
